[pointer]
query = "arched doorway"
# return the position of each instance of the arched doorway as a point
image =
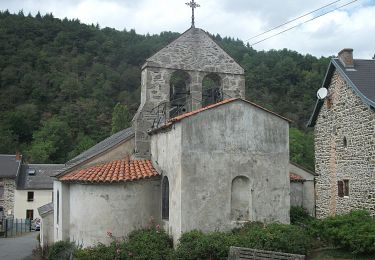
(179, 93)
(211, 89)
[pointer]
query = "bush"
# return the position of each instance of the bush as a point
(61, 250)
(151, 243)
(100, 251)
(198, 245)
(275, 237)
(299, 214)
(354, 232)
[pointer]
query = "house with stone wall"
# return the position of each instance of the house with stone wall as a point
(344, 128)
(10, 166)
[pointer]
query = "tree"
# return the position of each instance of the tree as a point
(51, 143)
(120, 118)
(301, 148)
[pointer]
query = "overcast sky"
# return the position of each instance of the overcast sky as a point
(352, 26)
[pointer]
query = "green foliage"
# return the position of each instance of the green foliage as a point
(299, 214)
(100, 251)
(78, 73)
(61, 250)
(151, 243)
(51, 142)
(301, 147)
(275, 237)
(121, 118)
(198, 245)
(354, 232)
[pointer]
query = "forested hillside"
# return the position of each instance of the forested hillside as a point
(60, 81)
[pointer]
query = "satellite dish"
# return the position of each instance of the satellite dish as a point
(322, 93)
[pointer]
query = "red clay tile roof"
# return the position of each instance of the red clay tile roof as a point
(115, 171)
(173, 120)
(295, 177)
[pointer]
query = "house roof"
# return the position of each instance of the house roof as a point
(45, 209)
(361, 78)
(101, 147)
(295, 177)
(173, 120)
(42, 179)
(113, 172)
(9, 166)
(194, 50)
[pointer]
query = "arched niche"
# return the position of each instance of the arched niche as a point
(165, 199)
(240, 199)
(179, 93)
(211, 89)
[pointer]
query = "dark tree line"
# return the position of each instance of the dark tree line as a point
(60, 81)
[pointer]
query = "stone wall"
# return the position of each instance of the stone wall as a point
(344, 150)
(195, 53)
(8, 199)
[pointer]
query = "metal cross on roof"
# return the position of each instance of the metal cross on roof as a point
(193, 5)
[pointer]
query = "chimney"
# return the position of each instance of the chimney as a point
(18, 156)
(346, 57)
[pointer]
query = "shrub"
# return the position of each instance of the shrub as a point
(299, 214)
(61, 250)
(197, 245)
(354, 231)
(275, 237)
(100, 251)
(151, 243)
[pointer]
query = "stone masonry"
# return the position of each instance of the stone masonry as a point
(195, 53)
(344, 150)
(8, 199)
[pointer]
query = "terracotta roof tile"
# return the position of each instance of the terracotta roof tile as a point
(295, 177)
(114, 171)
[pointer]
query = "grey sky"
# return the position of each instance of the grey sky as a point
(352, 26)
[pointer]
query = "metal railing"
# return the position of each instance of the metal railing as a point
(11, 227)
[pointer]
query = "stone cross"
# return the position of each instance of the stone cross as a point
(193, 5)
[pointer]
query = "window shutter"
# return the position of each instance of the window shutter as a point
(340, 189)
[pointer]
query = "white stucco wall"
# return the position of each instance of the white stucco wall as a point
(61, 216)
(119, 208)
(166, 154)
(236, 139)
(303, 193)
(41, 197)
(46, 230)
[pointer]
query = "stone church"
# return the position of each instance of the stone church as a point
(198, 156)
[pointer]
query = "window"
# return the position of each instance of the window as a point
(30, 196)
(165, 199)
(57, 206)
(345, 142)
(1, 192)
(211, 90)
(343, 188)
(179, 93)
(240, 199)
(30, 214)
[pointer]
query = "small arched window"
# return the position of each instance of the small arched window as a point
(211, 89)
(345, 142)
(165, 199)
(240, 198)
(179, 93)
